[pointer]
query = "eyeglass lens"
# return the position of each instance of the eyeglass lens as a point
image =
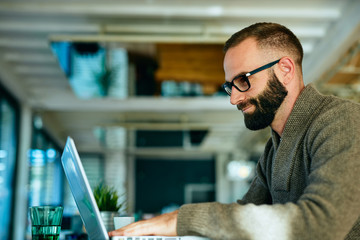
(242, 83)
(227, 88)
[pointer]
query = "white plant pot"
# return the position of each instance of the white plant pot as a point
(108, 219)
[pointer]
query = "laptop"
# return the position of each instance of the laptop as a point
(85, 201)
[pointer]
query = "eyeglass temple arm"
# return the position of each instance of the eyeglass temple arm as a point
(263, 67)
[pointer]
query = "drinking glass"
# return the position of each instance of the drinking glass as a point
(46, 222)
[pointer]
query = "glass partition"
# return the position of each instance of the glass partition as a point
(9, 116)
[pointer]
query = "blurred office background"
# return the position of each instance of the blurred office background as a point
(137, 85)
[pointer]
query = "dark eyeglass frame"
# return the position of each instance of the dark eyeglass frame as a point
(227, 86)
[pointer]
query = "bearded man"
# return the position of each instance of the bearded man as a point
(307, 180)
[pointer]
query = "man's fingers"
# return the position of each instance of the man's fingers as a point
(135, 229)
(164, 225)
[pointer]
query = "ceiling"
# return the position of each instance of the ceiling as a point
(328, 29)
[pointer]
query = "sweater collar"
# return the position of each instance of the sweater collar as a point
(306, 104)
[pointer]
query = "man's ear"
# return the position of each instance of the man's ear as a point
(287, 69)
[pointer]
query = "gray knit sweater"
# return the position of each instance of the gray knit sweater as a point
(307, 183)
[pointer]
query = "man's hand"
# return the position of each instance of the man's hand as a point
(163, 225)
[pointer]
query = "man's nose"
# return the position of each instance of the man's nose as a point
(236, 96)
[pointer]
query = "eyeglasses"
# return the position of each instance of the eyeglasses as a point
(241, 82)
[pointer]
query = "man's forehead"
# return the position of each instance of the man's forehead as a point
(245, 47)
(239, 59)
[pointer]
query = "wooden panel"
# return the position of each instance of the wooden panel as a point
(355, 61)
(195, 76)
(345, 78)
(197, 63)
(348, 67)
(194, 64)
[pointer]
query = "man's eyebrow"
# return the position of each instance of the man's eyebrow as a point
(238, 75)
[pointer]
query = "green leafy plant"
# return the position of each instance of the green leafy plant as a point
(107, 198)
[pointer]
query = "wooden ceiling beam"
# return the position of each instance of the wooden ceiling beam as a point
(337, 41)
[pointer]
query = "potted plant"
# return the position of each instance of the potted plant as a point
(109, 203)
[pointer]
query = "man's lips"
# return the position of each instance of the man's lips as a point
(243, 108)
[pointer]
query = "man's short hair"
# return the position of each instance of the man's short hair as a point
(269, 36)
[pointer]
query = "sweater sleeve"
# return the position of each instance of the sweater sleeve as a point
(328, 208)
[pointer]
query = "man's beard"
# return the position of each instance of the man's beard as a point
(266, 105)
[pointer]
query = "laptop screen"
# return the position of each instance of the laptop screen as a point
(82, 192)
(85, 200)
